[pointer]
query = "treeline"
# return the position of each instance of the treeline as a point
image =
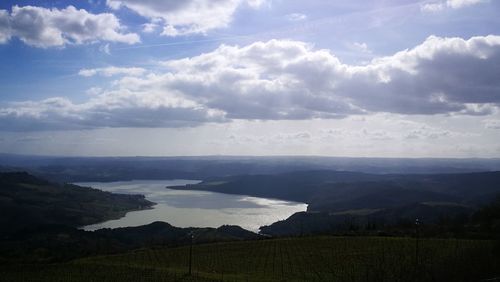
(484, 223)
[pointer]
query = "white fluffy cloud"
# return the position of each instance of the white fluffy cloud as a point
(453, 4)
(182, 17)
(264, 80)
(42, 27)
(112, 71)
(292, 80)
(285, 80)
(439, 76)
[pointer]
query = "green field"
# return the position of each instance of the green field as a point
(325, 258)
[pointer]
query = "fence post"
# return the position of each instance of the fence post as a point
(191, 253)
(417, 226)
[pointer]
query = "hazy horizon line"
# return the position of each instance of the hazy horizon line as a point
(244, 156)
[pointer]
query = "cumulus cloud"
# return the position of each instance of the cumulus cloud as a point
(109, 109)
(441, 75)
(42, 27)
(183, 17)
(292, 80)
(452, 4)
(112, 71)
(264, 80)
(288, 80)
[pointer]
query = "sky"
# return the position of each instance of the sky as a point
(382, 78)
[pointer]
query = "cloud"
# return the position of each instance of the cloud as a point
(452, 4)
(185, 17)
(491, 123)
(284, 80)
(94, 91)
(441, 75)
(286, 137)
(278, 79)
(291, 80)
(108, 109)
(112, 71)
(423, 133)
(105, 49)
(361, 134)
(361, 47)
(432, 7)
(296, 17)
(5, 30)
(42, 27)
(395, 129)
(149, 27)
(278, 138)
(457, 4)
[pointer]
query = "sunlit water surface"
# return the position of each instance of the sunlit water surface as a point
(194, 208)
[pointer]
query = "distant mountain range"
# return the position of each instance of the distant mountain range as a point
(81, 169)
(334, 191)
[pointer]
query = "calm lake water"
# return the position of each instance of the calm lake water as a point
(195, 208)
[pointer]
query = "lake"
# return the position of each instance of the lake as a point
(194, 208)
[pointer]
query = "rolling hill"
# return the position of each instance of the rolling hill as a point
(27, 201)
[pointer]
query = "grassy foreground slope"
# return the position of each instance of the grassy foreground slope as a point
(324, 258)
